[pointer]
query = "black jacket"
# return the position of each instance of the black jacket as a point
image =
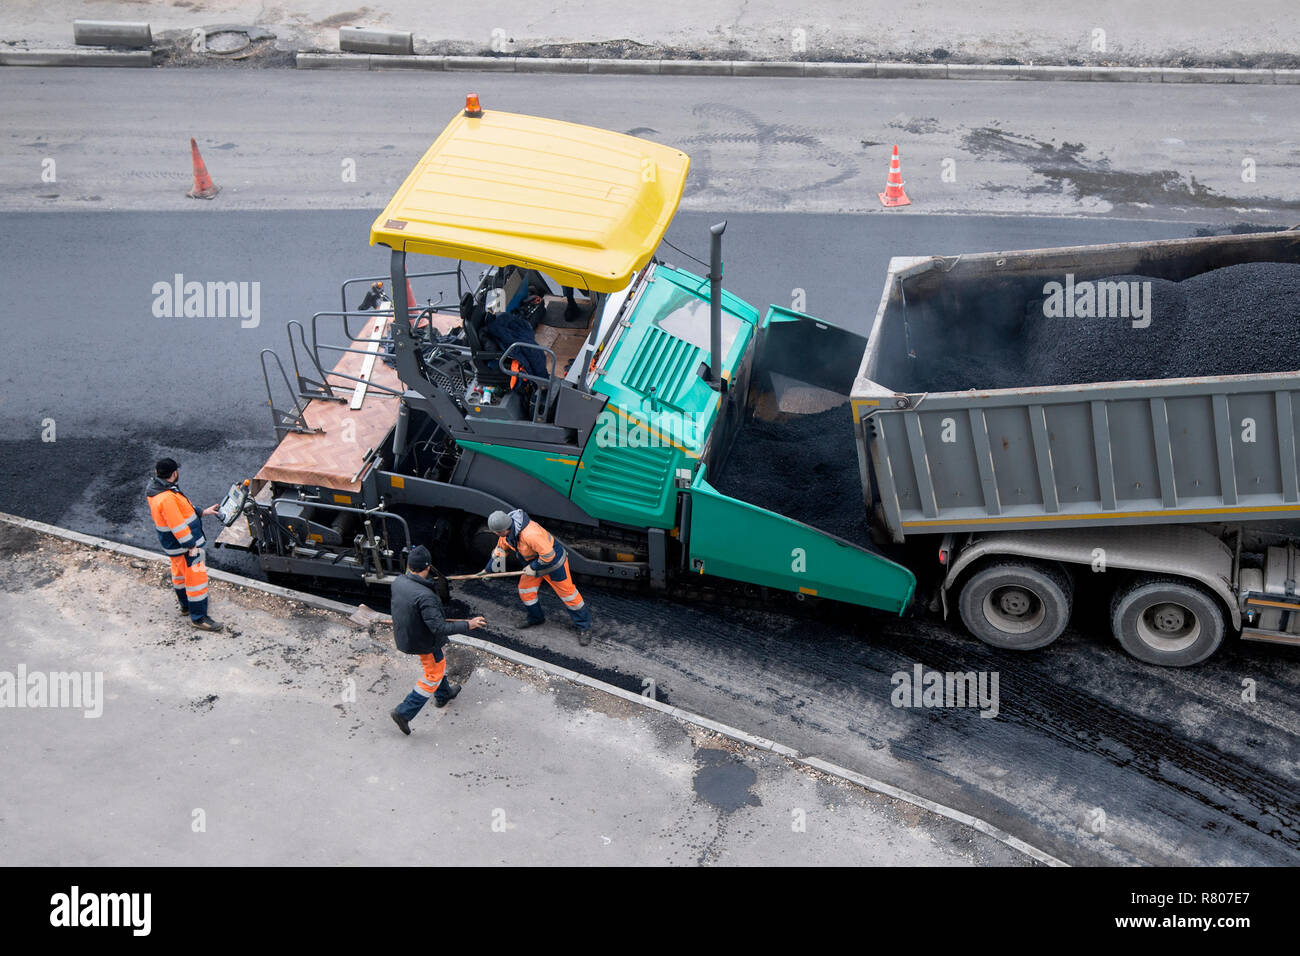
(418, 623)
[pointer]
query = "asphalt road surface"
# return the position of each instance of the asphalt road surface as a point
(1093, 757)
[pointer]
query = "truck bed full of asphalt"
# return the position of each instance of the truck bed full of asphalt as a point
(1236, 320)
(1239, 320)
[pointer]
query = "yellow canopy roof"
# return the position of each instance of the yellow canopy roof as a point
(586, 206)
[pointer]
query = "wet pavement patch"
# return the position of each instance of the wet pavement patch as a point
(723, 780)
(15, 539)
(1065, 169)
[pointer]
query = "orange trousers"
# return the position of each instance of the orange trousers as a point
(564, 588)
(435, 669)
(190, 581)
(561, 582)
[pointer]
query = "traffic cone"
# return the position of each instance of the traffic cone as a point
(204, 187)
(412, 306)
(893, 194)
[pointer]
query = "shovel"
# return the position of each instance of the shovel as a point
(475, 577)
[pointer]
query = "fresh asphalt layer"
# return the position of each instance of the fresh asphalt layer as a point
(1093, 757)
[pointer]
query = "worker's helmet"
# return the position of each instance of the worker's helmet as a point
(498, 522)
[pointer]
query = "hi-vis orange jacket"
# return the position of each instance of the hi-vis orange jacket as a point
(533, 543)
(177, 522)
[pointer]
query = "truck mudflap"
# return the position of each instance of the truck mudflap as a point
(742, 542)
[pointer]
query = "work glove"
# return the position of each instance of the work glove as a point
(489, 567)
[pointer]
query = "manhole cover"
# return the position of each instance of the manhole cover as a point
(225, 42)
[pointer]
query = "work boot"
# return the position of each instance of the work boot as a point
(452, 691)
(403, 724)
(206, 623)
(185, 612)
(530, 622)
(582, 623)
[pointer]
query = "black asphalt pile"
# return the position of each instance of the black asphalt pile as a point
(995, 360)
(805, 468)
(1065, 351)
(1247, 319)
(1237, 320)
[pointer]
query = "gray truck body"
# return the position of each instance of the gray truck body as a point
(1158, 451)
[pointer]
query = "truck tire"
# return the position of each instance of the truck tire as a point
(1167, 621)
(1016, 605)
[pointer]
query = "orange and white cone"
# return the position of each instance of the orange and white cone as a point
(204, 187)
(412, 306)
(893, 194)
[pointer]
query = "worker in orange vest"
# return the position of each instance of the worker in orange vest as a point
(180, 531)
(545, 560)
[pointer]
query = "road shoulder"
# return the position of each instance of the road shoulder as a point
(276, 739)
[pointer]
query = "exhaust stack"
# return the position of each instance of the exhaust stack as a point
(715, 306)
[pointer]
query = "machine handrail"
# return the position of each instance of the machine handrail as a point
(541, 406)
(343, 289)
(283, 422)
(325, 390)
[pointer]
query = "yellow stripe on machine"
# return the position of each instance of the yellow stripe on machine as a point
(653, 431)
(1171, 512)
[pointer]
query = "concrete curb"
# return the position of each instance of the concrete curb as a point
(784, 68)
(136, 58)
(130, 551)
(794, 68)
(505, 653)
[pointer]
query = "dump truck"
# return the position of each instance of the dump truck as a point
(570, 373)
(1180, 495)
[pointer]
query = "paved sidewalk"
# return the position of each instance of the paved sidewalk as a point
(1157, 32)
(272, 745)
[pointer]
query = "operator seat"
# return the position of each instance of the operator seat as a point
(482, 358)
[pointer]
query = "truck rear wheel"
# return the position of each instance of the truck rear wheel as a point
(1020, 606)
(1167, 621)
